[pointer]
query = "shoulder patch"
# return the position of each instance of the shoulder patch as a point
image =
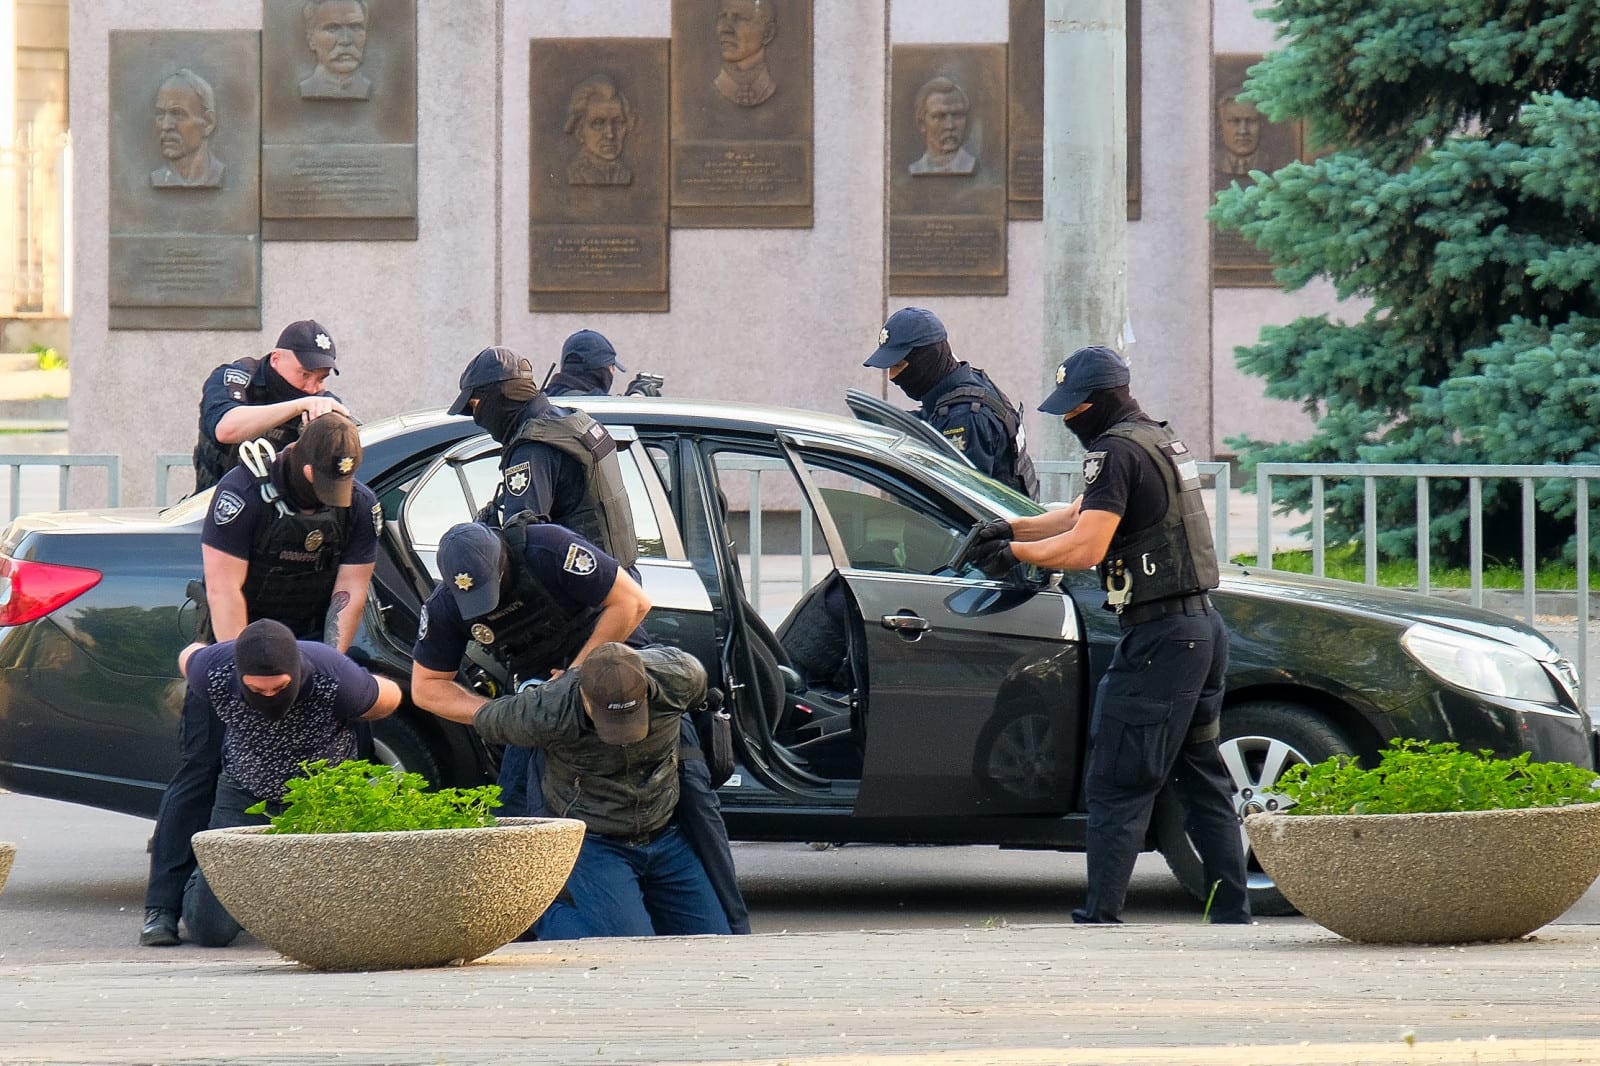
(234, 376)
(957, 435)
(580, 560)
(377, 519)
(226, 507)
(517, 478)
(1093, 463)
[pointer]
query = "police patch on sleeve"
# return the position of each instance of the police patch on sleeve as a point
(234, 376)
(580, 560)
(422, 623)
(517, 479)
(957, 436)
(226, 508)
(1093, 463)
(377, 519)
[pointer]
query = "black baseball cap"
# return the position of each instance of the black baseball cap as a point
(590, 350)
(616, 693)
(310, 343)
(332, 445)
(907, 328)
(471, 558)
(1085, 371)
(493, 364)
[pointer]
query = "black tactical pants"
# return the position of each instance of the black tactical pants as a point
(1165, 680)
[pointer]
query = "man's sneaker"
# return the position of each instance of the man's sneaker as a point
(160, 928)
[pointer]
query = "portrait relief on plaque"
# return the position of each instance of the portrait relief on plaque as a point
(745, 28)
(186, 117)
(741, 113)
(336, 34)
(941, 118)
(184, 242)
(597, 174)
(1243, 140)
(947, 178)
(599, 120)
(339, 119)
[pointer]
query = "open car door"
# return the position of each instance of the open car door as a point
(870, 409)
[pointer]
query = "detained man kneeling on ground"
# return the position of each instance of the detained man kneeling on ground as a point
(609, 729)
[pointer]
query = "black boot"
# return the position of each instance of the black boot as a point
(160, 928)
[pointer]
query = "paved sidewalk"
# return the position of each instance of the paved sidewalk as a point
(1054, 994)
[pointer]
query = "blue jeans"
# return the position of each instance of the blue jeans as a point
(208, 922)
(621, 889)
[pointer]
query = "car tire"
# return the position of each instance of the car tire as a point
(398, 743)
(1259, 740)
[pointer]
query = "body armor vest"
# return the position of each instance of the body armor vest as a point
(529, 633)
(294, 563)
(604, 517)
(1174, 557)
(212, 460)
(1018, 469)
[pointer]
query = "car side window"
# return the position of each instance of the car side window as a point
(457, 488)
(883, 523)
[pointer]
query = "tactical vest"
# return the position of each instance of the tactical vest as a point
(604, 517)
(1174, 557)
(294, 563)
(1017, 468)
(529, 633)
(212, 460)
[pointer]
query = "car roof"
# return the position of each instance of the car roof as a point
(666, 411)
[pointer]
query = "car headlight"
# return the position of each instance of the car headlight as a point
(1479, 664)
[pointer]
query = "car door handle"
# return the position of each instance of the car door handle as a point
(907, 625)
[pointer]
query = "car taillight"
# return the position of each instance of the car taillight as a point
(30, 590)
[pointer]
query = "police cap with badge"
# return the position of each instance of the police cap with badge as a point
(1083, 373)
(311, 344)
(907, 328)
(472, 558)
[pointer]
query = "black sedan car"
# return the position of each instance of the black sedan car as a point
(879, 693)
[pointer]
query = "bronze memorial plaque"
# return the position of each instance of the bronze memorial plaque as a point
(947, 169)
(741, 113)
(339, 119)
(597, 174)
(185, 239)
(1243, 140)
(1025, 84)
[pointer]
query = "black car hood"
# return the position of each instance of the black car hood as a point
(1403, 608)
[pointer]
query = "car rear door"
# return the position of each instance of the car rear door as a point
(975, 689)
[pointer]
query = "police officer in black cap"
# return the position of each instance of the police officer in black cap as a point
(957, 399)
(269, 398)
(539, 598)
(291, 536)
(1142, 521)
(588, 362)
(556, 462)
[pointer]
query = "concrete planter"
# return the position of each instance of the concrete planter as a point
(378, 901)
(7, 853)
(1448, 878)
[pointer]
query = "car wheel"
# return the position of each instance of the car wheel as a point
(1259, 741)
(397, 743)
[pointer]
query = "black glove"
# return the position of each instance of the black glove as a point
(993, 557)
(995, 529)
(644, 385)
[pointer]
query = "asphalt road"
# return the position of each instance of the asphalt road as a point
(76, 892)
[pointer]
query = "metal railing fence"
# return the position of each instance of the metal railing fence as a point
(166, 462)
(14, 463)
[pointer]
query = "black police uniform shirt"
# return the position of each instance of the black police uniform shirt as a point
(227, 388)
(263, 754)
(541, 478)
(237, 510)
(1118, 477)
(976, 433)
(578, 575)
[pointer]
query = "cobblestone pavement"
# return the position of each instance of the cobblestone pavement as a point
(1054, 994)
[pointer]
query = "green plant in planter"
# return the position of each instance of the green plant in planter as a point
(362, 797)
(1415, 777)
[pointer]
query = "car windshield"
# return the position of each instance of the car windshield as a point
(966, 480)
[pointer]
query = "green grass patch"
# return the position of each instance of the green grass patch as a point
(1348, 562)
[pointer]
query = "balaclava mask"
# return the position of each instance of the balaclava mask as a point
(1108, 407)
(925, 367)
(500, 406)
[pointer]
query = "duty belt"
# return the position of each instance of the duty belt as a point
(1194, 603)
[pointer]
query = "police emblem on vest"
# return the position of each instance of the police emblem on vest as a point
(517, 478)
